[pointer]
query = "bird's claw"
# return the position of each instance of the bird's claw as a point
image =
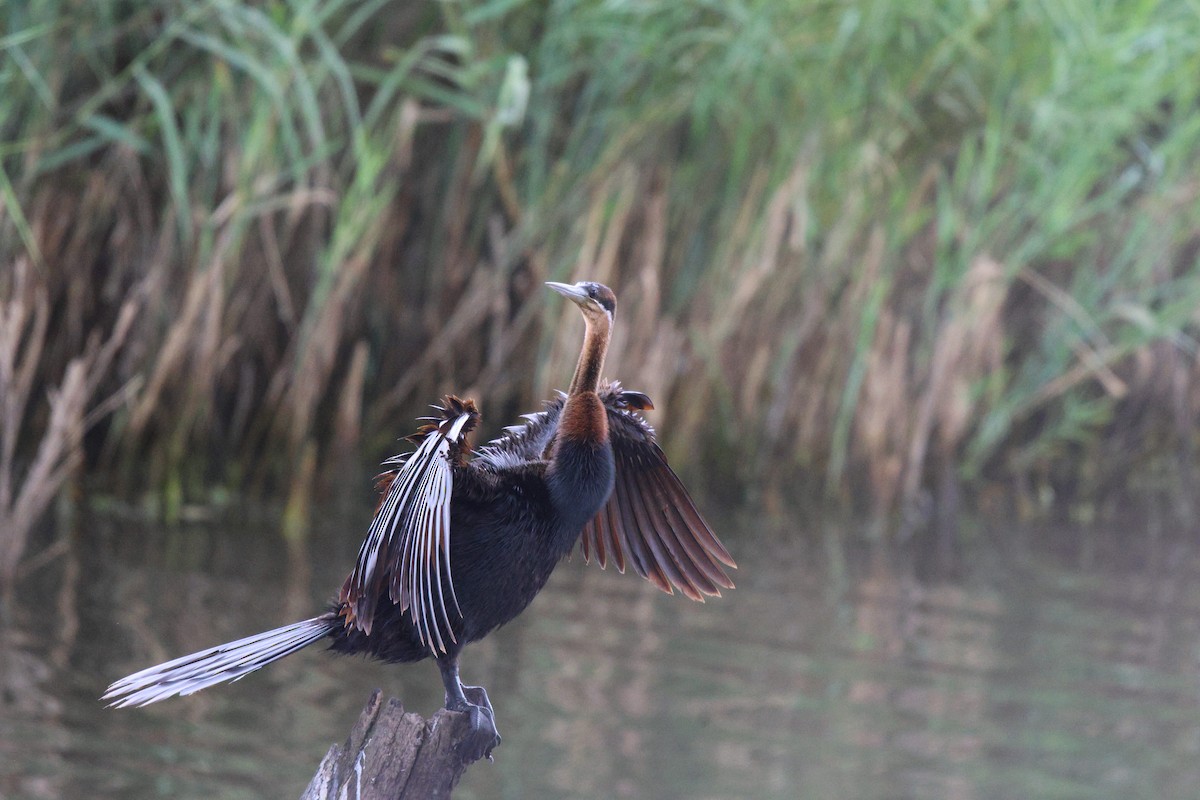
(482, 736)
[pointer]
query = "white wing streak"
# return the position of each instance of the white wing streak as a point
(413, 526)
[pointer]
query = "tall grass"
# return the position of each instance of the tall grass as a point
(863, 248)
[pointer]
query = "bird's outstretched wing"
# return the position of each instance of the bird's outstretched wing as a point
(407, 548)
(650, 520)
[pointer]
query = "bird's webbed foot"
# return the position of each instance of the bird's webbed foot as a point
(482, 737)
(478, 696)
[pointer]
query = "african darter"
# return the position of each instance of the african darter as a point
(461, 544)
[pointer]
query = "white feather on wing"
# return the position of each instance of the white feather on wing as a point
(408, 543)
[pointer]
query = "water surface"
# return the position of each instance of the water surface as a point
(1046, 662)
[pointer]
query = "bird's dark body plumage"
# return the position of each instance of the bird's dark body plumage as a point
(509, 534)
(462, 542)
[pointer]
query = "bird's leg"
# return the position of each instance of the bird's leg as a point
(455, 699)
(483, 736)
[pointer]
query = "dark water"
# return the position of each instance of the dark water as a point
(1033, 663)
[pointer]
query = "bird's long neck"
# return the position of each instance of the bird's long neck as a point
(584, 419)
(591, 358)
(581, 459)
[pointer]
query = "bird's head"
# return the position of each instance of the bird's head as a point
(595, 300)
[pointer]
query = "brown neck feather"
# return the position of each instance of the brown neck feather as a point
(591, 358)
(583, 416)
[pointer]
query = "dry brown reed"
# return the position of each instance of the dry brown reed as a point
(27, 489)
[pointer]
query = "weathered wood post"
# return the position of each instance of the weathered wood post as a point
(393, 755)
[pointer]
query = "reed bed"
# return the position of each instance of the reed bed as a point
(863, 249)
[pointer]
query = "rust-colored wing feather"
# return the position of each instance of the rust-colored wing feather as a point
(407, 548)
(650, 520)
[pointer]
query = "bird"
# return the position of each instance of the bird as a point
(464, 538)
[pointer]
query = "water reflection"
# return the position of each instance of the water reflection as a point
(1042, 663)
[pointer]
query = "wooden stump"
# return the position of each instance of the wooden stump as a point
(393, 755)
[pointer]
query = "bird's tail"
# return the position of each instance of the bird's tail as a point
(227, 662)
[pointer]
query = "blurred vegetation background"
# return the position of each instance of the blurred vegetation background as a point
(867, 250)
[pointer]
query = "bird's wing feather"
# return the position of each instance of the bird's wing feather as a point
(407, 547)
(525, 442)
(650, 520)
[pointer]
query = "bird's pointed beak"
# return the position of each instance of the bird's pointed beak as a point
(571, 292)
